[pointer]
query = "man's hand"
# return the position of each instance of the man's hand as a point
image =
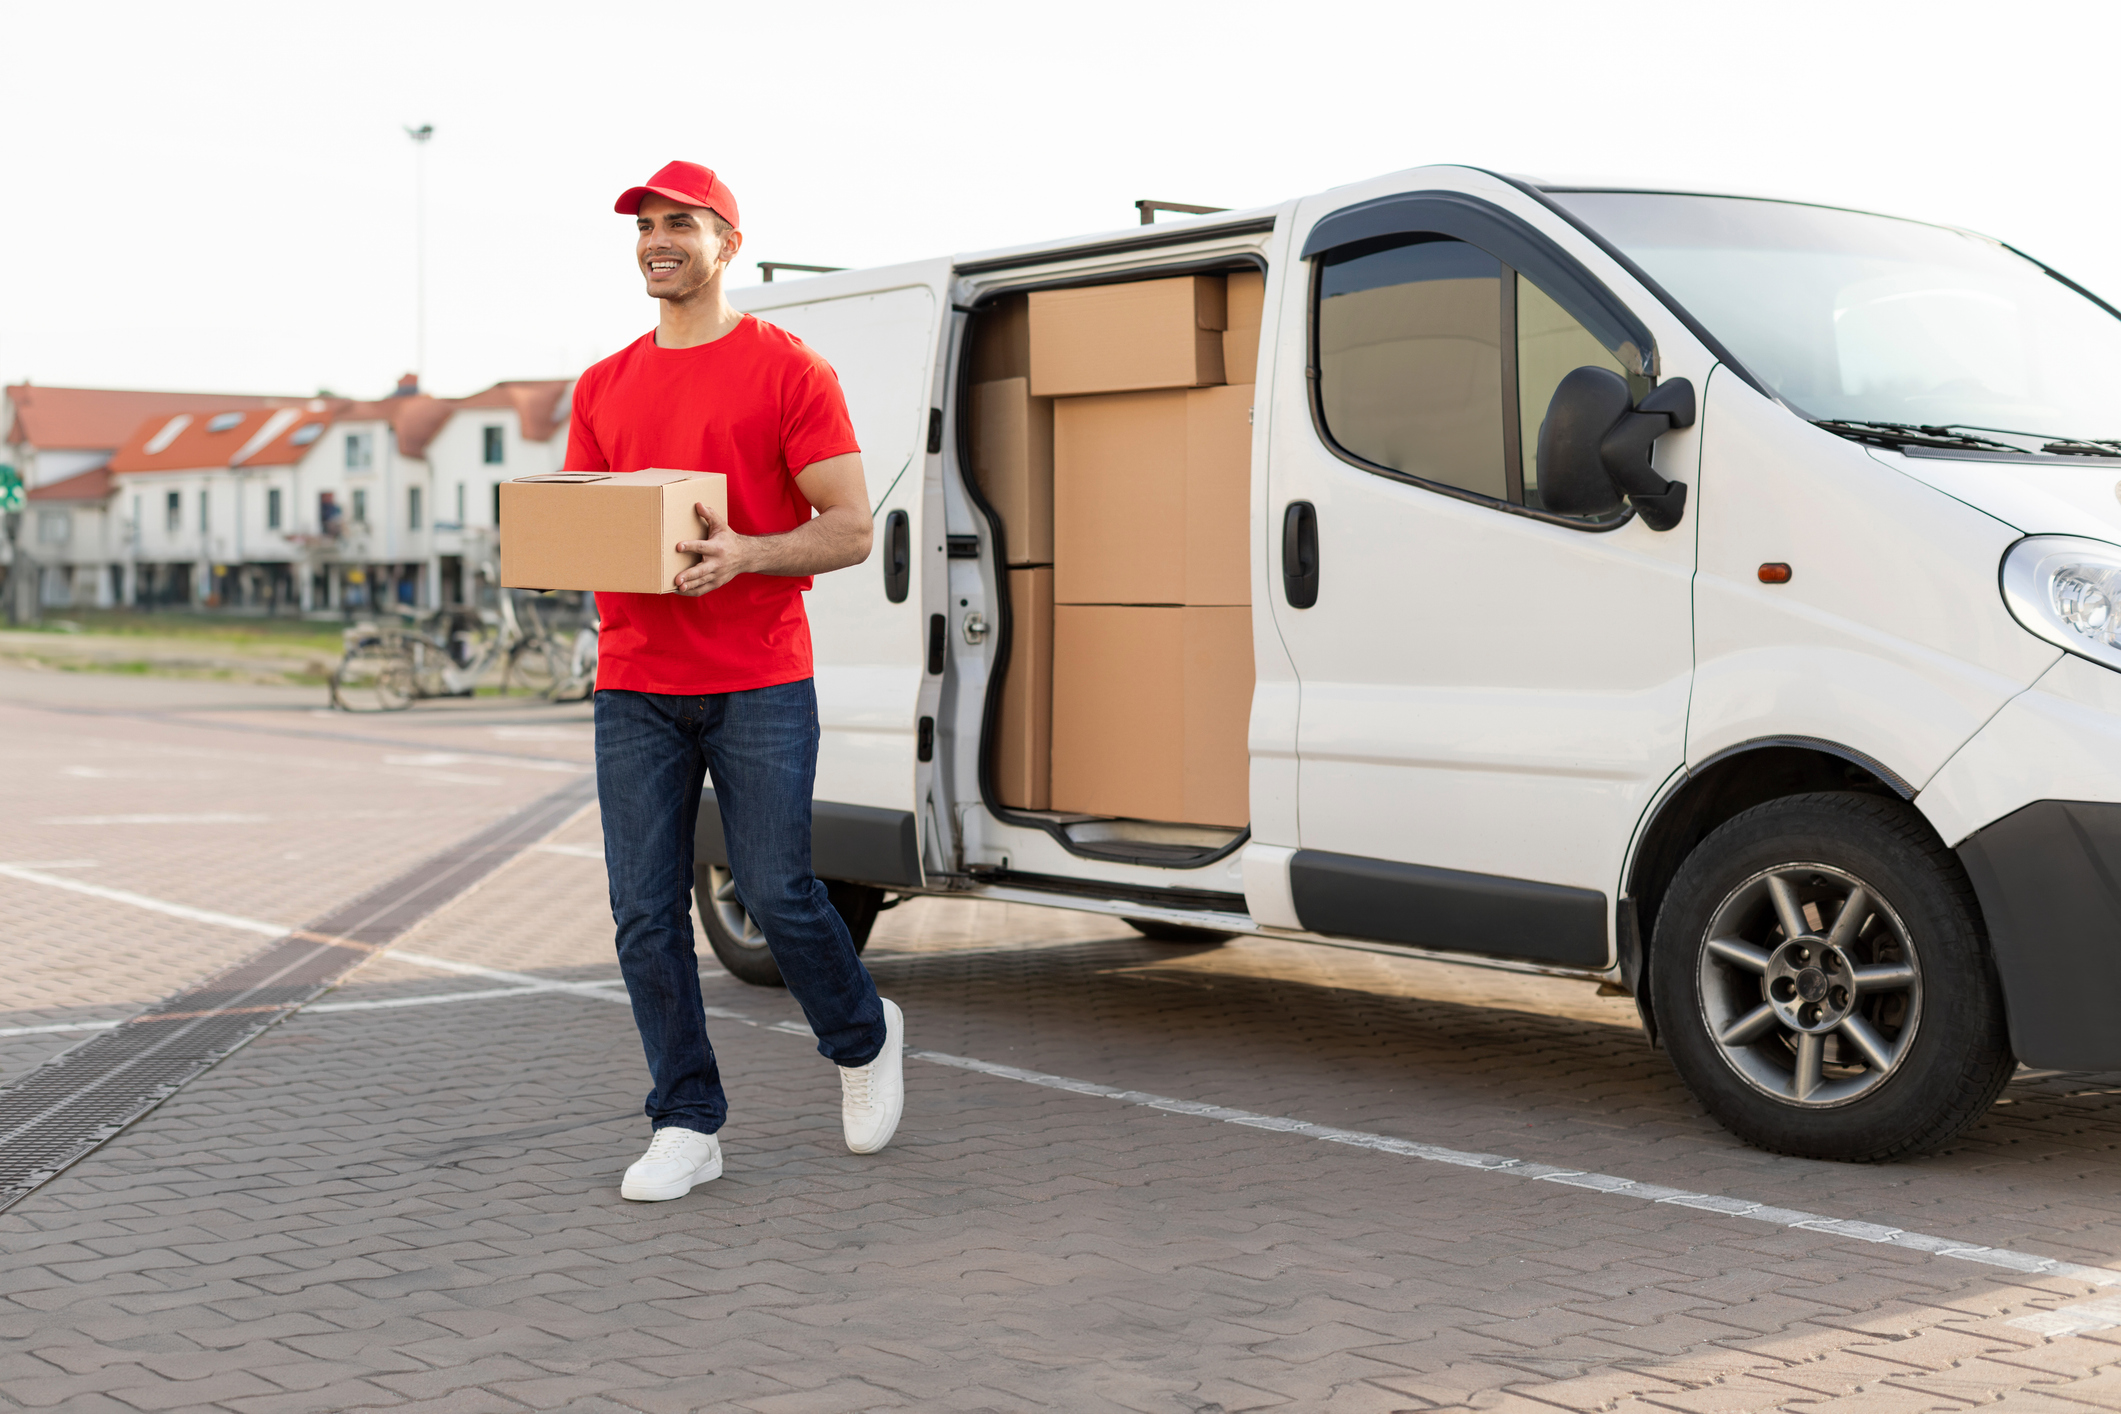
(836, 537)
(724, 555)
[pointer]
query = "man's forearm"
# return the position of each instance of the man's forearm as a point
(832, 540)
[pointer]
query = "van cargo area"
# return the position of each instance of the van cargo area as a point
(1109, 432)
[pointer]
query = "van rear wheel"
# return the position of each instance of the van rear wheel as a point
(737, 942)
(1823, 983)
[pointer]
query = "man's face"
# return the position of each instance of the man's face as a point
(678, 251)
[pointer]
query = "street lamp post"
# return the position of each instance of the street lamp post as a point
(420, 137)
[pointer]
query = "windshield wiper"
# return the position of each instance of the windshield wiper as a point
(2053, 445)
(2083, 447)
(1907, 434)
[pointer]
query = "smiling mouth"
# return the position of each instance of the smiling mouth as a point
(662, 267)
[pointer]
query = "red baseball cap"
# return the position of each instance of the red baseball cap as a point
(687, 182)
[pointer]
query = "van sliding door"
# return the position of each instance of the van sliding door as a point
(868, 623)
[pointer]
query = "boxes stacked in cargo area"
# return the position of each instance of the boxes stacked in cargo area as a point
(1112, 434)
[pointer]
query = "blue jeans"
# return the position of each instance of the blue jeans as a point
(760, 747)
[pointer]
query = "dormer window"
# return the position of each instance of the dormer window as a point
(307, 433)
(224, 421)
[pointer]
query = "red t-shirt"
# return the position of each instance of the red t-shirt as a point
(757, 406)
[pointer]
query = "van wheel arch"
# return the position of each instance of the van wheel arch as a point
(1721, 788)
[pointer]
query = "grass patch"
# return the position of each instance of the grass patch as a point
(289, 632)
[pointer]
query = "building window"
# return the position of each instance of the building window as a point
(272, 508)
(360, 507)
(54, 527)
(460, 505)
(412, 508)
(328, 513)
(495, 453)
(173, 517)
(497, 506)
(360, 452)
(206, 519)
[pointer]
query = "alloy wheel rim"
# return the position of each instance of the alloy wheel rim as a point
(728, 912)
(1811, 987)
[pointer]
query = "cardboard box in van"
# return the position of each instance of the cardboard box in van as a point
(1247, 304)
(603, 530)
(1125, 338)
(1023, 751)
(1150, 707)
(1012, 457)
(1001, 345)
(1152, 497)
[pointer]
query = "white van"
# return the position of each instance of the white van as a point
(1714, 598)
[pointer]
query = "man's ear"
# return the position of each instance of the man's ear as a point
(732, 242)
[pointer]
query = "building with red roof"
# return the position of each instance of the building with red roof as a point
(283, 502)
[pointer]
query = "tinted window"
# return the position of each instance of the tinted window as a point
(1410, 361)
(1550, 344)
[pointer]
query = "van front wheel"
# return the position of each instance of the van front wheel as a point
(1823, 983)
(737, 942)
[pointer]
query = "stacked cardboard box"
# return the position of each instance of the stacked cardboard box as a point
(1151, 667)
(1012, 460)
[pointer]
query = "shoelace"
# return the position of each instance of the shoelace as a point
(854, 1085)
(666, 1144)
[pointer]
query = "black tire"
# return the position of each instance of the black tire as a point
(1157, 931)
(1879, 1040)
(741, 948)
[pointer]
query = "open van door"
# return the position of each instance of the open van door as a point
(878, 678)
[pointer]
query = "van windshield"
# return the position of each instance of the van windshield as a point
(1851, 317)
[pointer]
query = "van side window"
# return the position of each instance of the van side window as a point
(1410, 360)
(1550, 343)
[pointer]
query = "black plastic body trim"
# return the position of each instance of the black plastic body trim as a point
(1506, 237)
(1449, 910)
(855, 844)
(1883, 772)
(1163, 238)
(2049, 880)
(1201, 900)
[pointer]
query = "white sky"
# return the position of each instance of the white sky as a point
(220, 196)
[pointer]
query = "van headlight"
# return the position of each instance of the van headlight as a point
(2068, 591)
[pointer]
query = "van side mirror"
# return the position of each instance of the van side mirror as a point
(1594, 447)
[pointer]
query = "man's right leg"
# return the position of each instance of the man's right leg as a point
(649, 772)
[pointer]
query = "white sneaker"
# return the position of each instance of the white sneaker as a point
(873, 1096)
(676, 1160)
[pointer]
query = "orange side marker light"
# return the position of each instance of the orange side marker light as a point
(1775, 572)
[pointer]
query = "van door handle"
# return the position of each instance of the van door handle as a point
(898, 556)
(1299, 554)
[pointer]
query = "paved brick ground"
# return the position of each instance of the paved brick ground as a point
(415, 1207)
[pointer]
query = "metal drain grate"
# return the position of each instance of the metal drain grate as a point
(74, 1102)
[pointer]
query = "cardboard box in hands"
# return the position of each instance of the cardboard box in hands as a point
(616, 532)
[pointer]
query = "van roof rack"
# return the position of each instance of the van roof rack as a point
(1148, 209)
(769, 266)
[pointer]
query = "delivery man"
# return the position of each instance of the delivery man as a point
(715, 679)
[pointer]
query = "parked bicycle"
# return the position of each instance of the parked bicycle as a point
(389, 664)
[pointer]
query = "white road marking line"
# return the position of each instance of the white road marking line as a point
(575, 851)
(2101, 1314)
(2005, 1258)
(391, 1003)
(1577, 1178)
(62, 1026)
(210, 819)
(155, 905)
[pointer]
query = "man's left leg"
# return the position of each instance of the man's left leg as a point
(761, 749)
